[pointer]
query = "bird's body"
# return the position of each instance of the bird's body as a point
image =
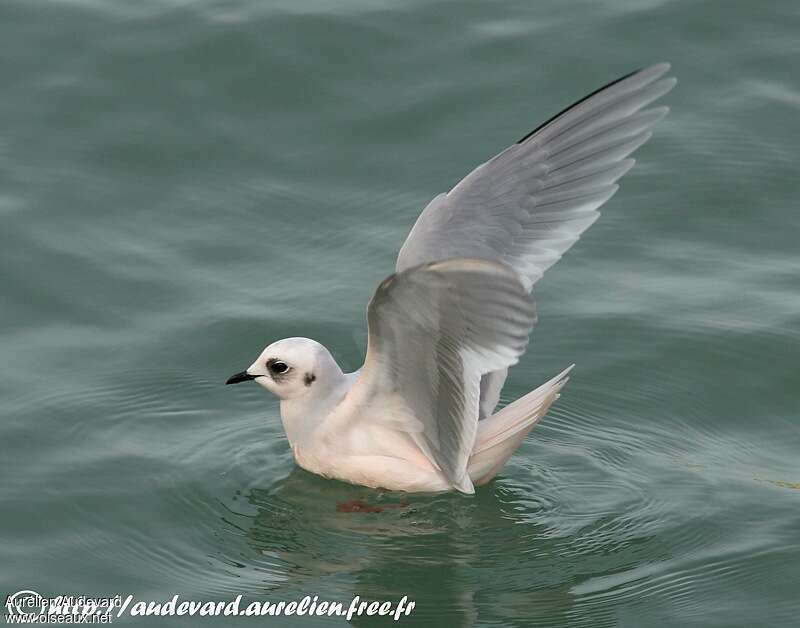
(445, 328)
(328, 435)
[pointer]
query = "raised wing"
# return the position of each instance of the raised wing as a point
(526, 206)
(433, 331)
(529, 204)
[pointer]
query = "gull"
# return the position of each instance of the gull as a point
(443, 330)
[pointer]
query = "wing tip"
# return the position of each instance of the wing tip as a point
(563, 374)
(651, 72)
(464, 484)
(658, 69)
(560, 380)
(658, 113)
(665, 86)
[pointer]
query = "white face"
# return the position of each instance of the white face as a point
(288, 368)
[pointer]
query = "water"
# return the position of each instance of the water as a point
(182, 183)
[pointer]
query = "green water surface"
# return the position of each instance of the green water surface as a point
(184, 182)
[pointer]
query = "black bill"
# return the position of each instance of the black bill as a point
(244, 376)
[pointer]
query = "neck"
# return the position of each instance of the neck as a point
(300, 415)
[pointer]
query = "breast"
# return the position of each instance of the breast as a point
(373, 470)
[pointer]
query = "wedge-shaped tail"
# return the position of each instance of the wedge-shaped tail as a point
(500, 435)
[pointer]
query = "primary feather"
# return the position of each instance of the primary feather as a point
(526, 206)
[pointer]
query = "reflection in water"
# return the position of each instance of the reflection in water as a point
(442, 551)
(426, 551)
(573, 546)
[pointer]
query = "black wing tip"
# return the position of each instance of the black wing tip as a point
(657, 68)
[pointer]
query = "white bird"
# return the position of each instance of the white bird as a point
(457, 313)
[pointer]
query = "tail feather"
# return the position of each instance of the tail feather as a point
(500, 435)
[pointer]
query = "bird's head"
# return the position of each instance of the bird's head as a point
(291, 368)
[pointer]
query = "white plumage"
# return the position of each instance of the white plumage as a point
(445, 328)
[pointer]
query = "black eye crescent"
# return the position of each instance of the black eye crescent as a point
(278, 367)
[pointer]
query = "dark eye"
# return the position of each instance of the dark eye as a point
(279, 367)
